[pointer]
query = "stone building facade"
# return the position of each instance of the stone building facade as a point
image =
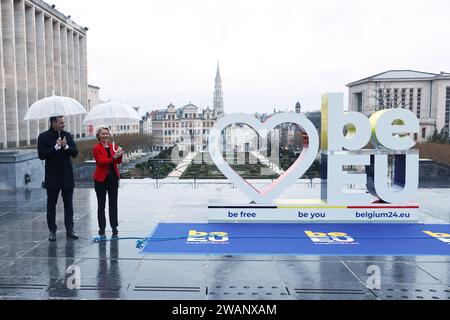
(42, 52)
(146, 123)
(188, 127)
(427, 95)
(93, 97)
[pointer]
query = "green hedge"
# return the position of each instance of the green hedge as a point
(158, 167)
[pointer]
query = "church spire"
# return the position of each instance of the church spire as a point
(298, 107)
(218, 71)
(218, 95)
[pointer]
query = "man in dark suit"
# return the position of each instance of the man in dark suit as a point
(56, 146)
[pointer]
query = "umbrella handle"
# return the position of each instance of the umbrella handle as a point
(114, 146)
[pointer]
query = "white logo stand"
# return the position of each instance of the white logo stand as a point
(334, 205)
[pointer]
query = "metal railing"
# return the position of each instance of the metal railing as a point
(197, 183)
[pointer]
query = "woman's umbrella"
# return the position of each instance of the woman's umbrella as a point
(54, 106)
(112, 113)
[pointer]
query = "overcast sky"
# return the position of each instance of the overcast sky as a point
(272, 53)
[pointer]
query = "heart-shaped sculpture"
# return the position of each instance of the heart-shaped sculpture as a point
(298, 168)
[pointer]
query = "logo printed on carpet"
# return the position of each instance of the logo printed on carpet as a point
(300, 239)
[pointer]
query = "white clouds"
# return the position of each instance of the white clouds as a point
(272, 52)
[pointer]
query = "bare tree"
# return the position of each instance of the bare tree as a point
(390, 98)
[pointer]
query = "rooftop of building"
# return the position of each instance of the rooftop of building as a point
(402, 75)
(171, 109)
(57, 14)
(33, 268)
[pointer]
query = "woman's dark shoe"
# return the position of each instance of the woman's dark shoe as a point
(72, 235)
(102, 234)
(115, 232)
(52, 237)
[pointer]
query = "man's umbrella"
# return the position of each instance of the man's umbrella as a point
(54, 106)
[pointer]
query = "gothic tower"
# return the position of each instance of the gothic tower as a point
(218, 96)
(298, 107)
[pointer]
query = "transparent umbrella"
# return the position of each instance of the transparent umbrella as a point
(112, 114)
(54, 106)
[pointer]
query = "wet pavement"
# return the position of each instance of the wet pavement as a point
(33, 268)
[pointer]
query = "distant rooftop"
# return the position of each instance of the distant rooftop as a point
(402, 75)
(179, 111)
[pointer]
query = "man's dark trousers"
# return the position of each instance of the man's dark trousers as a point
(52, 199)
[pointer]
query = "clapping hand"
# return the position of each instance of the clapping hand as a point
(119, 152)
(63, 142)
(59, 142)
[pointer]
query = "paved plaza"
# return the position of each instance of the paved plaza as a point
(33, 268)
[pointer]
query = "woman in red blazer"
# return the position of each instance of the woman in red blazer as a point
(106, 178)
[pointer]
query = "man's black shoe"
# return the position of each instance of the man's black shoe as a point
(72, 235)
(52, 237)
(115, 232)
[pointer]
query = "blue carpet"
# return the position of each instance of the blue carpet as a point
(300, 239)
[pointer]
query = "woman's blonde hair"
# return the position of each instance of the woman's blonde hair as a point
(99, 130)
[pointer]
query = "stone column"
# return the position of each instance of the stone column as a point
(9, 63)
(76, 69)
(41, 63)
(83, 75)
(3, 140)
(49, 65)
(65, 70)
(70, 63)
(57, 57)
(21, 71)
(31, 67)
(64, 66)
(76, 52)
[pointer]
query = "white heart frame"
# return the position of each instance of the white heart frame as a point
(299, 167)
